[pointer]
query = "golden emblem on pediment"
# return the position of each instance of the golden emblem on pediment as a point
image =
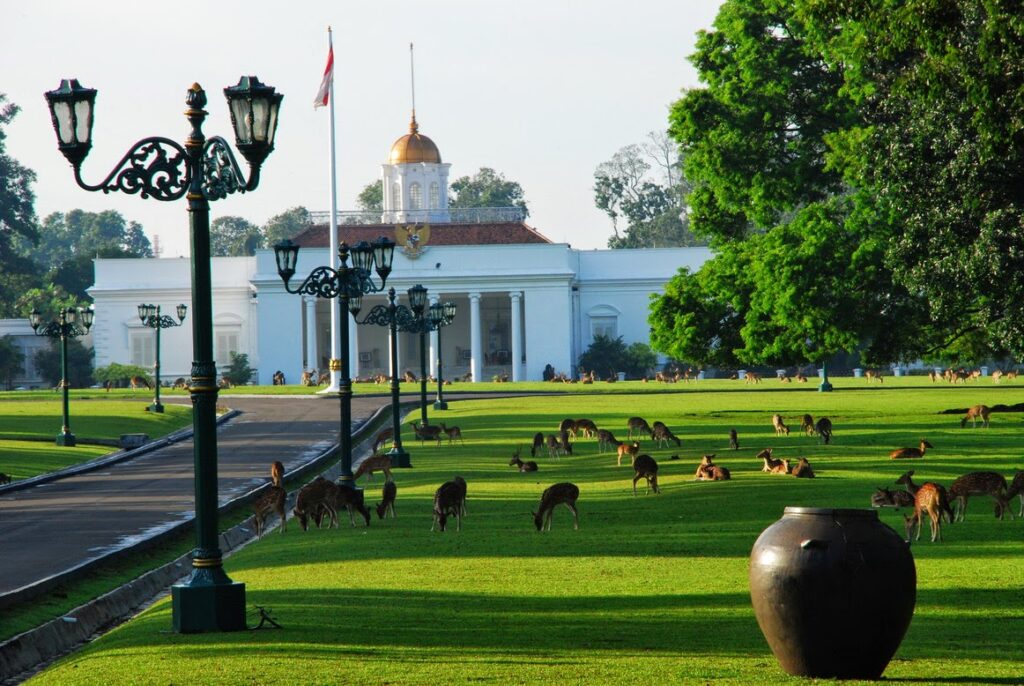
(412, 239)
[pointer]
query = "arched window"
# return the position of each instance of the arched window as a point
(415, 197)
(435, 196)
(396, 196)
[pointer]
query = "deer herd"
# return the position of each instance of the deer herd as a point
(319, 501)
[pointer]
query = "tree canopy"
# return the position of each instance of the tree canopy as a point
(487, 188)
(371, 198)
(285, 226)
(234, 237)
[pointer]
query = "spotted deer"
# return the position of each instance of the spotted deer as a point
(631, 449)
(928, 500)
(270, 502)
(538, 444)
(870, 374)
(374, 463)
(802, 469)
(136, 381)
(559, 494)
(774, 466)
(662, 435)
(349, 498)
(884, 497)
(447, 503)
(978, 483)
(564, 444)
(585, 426)
(645, 467)
(638, 425)
(427, 433)
(528, 466)
(453, 432)
(387, 503)
(1017, 489)
(554, 446)
(823, 427)
(567, 425)
(911, 453)
(974, 413)
(703, 472)
(382, 438)
(605, 439)
(311, 499)
(780, 426)
(461, 484)
(753, 377)
(907, 481)
(807, 424)
(734, 440)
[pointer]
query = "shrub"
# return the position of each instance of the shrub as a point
(606, 356)
(120, 374)
(239, 372)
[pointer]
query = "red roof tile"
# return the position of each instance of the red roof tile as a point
(505, 233)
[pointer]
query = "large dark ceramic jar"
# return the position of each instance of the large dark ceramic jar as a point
(833, 592)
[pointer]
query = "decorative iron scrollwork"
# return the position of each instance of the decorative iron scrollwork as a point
(155, 168)
(221, 174)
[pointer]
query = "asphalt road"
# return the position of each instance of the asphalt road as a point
(57, 526)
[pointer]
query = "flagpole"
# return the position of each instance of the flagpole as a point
(335, 303)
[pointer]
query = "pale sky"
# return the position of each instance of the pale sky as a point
(540, 90)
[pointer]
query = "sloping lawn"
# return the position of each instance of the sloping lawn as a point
(651, 589)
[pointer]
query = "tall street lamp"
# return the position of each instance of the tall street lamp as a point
(441, 315)
(393, 316)
(348, 285)
(202, 170)
(151, 317)
(64, 328)
(423, 323)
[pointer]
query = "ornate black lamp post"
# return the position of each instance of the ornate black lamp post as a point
(423, 323)
(202, 170)
(64, 328)
(441, 315)
(825, 386)
(348, 284)
(394, 317)
(151, 317)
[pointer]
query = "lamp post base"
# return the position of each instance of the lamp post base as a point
(825, 387)
(200, 607)
(66, 439)
(155, 407)
(440, 405)
(399, 458)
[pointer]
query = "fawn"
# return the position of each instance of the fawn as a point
(662, 434)
(387, 504)
(780, 426)
(427, 433)
(928, 499)
(883, 497)
(978, 483)
(803, 470)
(538, 443)
(587, 426)
(632, 450)
(311, 499)
(639, 425)
(944, 509)
(452, 432)
(558, 494)
(447, 502)
(645, 467)
(374, 463)
(823, 427)
(807, 424)
(974, 413)
(734, 440)
(271, 501)
(908, 453)
(528, 466)
(382, 438)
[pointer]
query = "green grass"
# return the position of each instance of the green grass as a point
(649, 590)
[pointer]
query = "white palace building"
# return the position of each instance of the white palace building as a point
(523, 302)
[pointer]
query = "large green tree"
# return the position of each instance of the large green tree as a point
(234, 237)
(371, 198)
(12, 361)
(67, 235)
(487, 188)
(286, 225)
(18, 222)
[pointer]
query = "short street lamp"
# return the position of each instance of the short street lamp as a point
(202, 170)
(151, 317)
(393, 316)
(64, 328)
(441, 315)
(423, 323)
(348, 285)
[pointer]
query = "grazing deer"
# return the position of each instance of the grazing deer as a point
(639, 425)
(553, 445)
(408, 377)
(734, 440)
(662, 435)
(387, 503)
(271, 501)
(823, 427)
(374, 463)
(1017, 489)
(447, 502)
(563, 443)
(945, 510)
(928, 499)
(461, 483)
(977, 483)
(807, 424)
(645, 467)
(632, 449)
(780, 426)
(351, 499)
(558, 494)
(974, 413)
(528, 466)
(909, 453)
(605, 439)
(427, 433)
(587, 426)
(538, 443)
(803, 470)
(5, 478)
(870, 374)
(136, 381)
(382, 438)
(883, 497)
(312, 498)
(452, 432)
(567, 425)
(753, 377)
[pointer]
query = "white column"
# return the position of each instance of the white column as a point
(432, 354)
(517, 336)
(353, 346)
(310, 303)
(476, 350)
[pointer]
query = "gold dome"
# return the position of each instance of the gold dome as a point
(414, 147)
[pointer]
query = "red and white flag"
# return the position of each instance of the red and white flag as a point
(325, 85)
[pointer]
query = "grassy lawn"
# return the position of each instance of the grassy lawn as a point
(29, 424)
(651, 589)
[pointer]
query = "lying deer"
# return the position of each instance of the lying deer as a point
(632, 449)
(374, 463)
(780, 426)
(452, 432)
(408, 377)
(662, 435)
(271, 501)
(883, 497)
(910, 453)
(982, 411)
(823, 427)
(427, 433)
(447, 502)
(387, 503)
(528, 466)
(645, 467)
(558, 494)
(639, 425)
(538, 443)
(774, 466)
(978, 483)
(803, 470)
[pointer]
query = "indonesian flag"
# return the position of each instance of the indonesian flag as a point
(325, 85)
